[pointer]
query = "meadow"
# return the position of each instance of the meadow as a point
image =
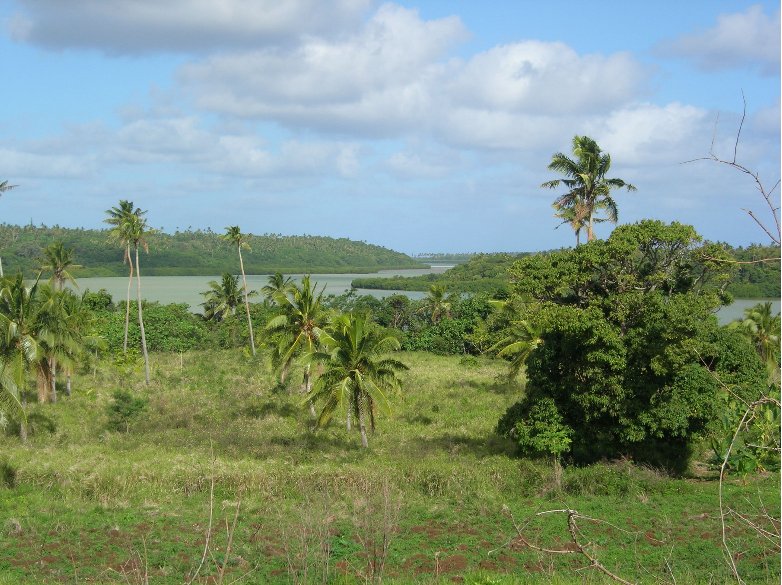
(215, 475)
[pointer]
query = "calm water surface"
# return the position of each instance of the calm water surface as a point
(187, 289)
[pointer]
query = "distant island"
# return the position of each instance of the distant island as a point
(197, 253)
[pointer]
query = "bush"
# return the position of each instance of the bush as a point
(123, 409)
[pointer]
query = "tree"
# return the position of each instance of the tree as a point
(222, 298)
(276, 284)
(438, 303)
(630, 347)
(356, 377)
(121, 218)
(58, 259)
(589, 191)
(18, 340)
(298, 327)
(234, 235)
(520, 339)
(762, 328)
(137, 232)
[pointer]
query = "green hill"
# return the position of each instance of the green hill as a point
(194, 253)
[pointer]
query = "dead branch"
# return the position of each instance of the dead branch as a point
(577, 548)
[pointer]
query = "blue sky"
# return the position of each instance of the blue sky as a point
(420, 126)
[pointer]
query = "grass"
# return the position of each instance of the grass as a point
(81, 504)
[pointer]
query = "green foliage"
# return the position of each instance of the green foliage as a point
(630, 352)
(541, 430)
(123, 410)
(196, 253)
(755, 279)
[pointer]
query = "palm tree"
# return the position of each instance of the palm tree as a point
(234, 235)
(277, 284)
(58, 259)
(120, 219)
(137, 230)
(589, 191)
(223, 298)
(18, 340)
(762, 328)
(297, 328)
(521, 337)
(438, 303)
(355, 377)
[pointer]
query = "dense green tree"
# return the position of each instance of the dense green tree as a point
(235, 236)
(629, 344)
(589, 190)
(356, 377)
(762, 328)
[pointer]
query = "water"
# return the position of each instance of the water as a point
(736, 309)
(188, 289)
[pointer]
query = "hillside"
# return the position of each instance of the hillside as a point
(194, 253)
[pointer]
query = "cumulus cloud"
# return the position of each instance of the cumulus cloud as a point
(738, 40)
(547, 78)
(144, 26)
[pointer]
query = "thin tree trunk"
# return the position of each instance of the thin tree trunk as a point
(246, 301)
(127, 304)
(23, 421)
(141, 320)
(349, 419)
(68, 381)
(307, 388)
(53, 368)
(363, 429)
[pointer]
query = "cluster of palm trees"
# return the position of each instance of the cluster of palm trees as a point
(44, 330)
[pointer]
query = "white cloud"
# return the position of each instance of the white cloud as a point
(25, 163)
(144, 26)
(738, 40)
(548, 78)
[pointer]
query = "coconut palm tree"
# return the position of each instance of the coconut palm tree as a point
(19, 344)
(520, 339)
(356, 377)
(762, 328)
(589, 191)
(137, 232)
(58, 259)
(297, 328)
(120, 218)
(277, 284)
(223, 298)
(234, 235)
(438, 303)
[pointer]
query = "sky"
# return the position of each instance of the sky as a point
(421, 126)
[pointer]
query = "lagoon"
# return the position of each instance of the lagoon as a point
(187, 289)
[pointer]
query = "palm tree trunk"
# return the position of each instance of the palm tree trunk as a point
(68, 381)
(127, 303)
(53, 369)
(141, 320)
(246, 301)
(23, 421)
(363, 429)
(307, 388)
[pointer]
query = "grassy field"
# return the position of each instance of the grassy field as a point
(221, 479)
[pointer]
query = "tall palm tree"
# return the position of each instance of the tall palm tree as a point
(137, 231)
(356, 376)
(234, 235)
(58, 259)
(297, 328)
(120, 218)
(589, 191)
